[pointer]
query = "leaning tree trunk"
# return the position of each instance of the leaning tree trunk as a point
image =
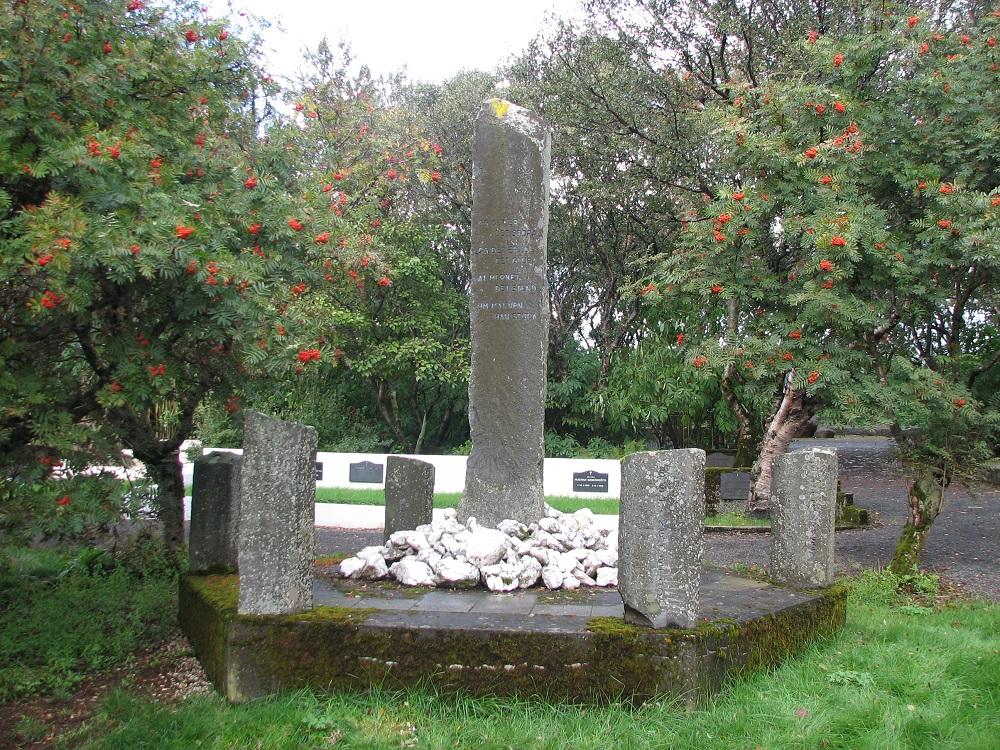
(793, 413)
(925, 498)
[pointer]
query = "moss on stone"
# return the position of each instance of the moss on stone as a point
(221, 591)
(206, 604)
(328, 561)
(614, 626)
(339, 648)
(341, 615)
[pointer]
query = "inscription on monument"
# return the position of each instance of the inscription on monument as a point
(509, 316)
(365, 471)
(505, 286)
(590, 481)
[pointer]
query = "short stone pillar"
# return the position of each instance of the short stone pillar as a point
(409, 494)
(215, 513)
(277, 545)
(660, 540)
(803, 506)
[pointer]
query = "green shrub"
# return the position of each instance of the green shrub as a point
(67, 614)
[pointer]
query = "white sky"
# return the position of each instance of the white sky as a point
(433, 39)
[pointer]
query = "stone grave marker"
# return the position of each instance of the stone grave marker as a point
(409, 494)
(660, 540)
(215, 512)
(277, 545)
(367, 472)
(803, 508)
(509, 315)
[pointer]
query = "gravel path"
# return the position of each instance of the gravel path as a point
(964, 546)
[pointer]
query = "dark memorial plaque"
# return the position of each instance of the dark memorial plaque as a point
(319, 471)
(366, 472)
(734, 485)
(590, 481)
(509, 315)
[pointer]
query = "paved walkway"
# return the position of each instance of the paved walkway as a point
(723, 596)
(964, 545)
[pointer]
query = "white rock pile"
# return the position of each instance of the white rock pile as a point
(563, 550)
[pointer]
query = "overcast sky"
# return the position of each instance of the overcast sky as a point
(433, 39)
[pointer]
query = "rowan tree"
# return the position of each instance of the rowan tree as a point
(859, 240)
(160, 240)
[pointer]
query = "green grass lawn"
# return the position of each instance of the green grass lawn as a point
(450, 500)
(604, 506)
(64, 613)
(899, 675)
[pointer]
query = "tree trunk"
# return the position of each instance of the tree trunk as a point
(745, 440)
(166, 472)
(793, 412)
(925, 498)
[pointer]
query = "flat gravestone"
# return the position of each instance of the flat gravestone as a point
(409, 494)
(660, 541)
(366, 472)
(590, 481)
(803, 510)
(277, 545)
(719, 461)
(509, 315)
(734, 485)
(215, 512)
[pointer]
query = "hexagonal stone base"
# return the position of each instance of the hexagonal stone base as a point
(562, 645)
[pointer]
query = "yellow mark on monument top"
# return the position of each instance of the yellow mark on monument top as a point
(500, 107)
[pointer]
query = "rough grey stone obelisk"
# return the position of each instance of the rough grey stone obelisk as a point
(660, 540)
(803, 507)
(409, 494)
(277, 546)
(215, 513)
(509, 312)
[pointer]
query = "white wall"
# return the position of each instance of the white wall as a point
(449, 472)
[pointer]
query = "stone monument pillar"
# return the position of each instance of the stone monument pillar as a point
(409, 494)
(277, 544)
(660, 540)
(509, 311)
(215, 512)
(803, 510)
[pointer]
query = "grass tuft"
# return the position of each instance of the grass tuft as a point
(62, 618)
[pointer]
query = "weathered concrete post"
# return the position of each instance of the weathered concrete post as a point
(215, 512)
(409, 494)
(277, 547)
(509, 311)
(660, 540)
(803, 508)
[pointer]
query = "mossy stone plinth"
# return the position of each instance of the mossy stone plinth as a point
(598, 660)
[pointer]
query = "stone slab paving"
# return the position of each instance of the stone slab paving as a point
(723, 596)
